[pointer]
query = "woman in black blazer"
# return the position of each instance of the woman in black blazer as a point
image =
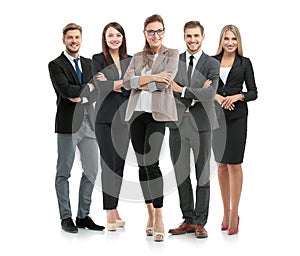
(112, 132)
(229, 140)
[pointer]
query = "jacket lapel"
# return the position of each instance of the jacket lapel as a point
(69, 66)
(236, 63)
(200, 63)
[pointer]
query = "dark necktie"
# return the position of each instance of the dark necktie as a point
(190, 69)
(78, 71)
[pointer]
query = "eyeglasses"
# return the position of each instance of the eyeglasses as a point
(158, 32)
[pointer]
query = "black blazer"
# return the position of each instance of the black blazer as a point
(203, 111)
(69, 115)
(108, 101)
(241, 71)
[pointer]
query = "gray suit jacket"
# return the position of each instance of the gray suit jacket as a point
(163, 102)
(203, 115)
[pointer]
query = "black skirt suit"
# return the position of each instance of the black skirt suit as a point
(229, 139)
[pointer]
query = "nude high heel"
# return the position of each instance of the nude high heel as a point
(120, 223)
(149, 231)
(111, 226)
(158, 236)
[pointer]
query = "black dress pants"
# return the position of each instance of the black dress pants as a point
(113, 142)
(147, 137)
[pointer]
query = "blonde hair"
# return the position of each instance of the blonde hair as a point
(237, 34)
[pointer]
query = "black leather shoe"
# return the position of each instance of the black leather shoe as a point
(88, 223)
(68, 225)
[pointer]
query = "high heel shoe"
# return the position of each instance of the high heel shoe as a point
(149, 231)
(235, 230)
(111, 226)
(158, 236)
(120, 223)
(224, 227)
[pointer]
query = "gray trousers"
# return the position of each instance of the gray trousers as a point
(84, 139)
(181, 141)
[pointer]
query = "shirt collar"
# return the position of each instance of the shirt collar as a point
(71, 58)
(196, 56)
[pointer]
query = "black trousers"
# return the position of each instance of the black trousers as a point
(147, 137)
(113, 141)
(181, 141)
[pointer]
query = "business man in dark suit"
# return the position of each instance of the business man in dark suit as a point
(193, 130)
(70, 75)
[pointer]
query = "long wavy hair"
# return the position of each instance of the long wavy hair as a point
(105, 48)
(148, 54)
(237, 34)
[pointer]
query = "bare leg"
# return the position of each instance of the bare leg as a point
(111, 220)
(149, 227)
(150, 210)
(223, 177)
(110, 216)
(158, 226)
(236, 181)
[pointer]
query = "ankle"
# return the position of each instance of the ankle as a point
(110, 217)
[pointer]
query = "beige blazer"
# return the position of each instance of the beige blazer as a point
(163, 102)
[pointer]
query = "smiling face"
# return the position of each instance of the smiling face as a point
(113, 38)
(193, 39)
(72, 41)
(154, 40)
(230, 43)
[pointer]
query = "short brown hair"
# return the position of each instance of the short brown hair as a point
(71, 26)
(193, 24)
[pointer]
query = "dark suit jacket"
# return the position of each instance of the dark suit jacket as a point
(69, 115)
(203, 111)
(109, 102)
(241, 71)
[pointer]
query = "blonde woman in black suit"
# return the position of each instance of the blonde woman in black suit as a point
(230, 139)
(112, 133)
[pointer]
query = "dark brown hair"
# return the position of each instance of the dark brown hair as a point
(105, 48)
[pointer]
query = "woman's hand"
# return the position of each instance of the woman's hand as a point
(228, 102)
(118, 85)
(75, 100)
(101, 77)
(163, 77)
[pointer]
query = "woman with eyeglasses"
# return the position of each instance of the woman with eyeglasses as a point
(151, 104)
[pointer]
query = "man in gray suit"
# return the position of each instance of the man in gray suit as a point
(194, 87)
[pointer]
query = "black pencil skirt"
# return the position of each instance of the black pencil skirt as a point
(229, 141)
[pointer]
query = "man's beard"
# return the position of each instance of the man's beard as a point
(72, 51)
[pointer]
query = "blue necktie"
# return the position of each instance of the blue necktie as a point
(78, 71)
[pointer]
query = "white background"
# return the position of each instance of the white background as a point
(31, 37)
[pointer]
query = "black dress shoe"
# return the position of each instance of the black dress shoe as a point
(88, 223)
(68, 225)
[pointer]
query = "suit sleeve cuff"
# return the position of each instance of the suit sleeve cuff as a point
(134, 82)
(183, 92)
(152, 87)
